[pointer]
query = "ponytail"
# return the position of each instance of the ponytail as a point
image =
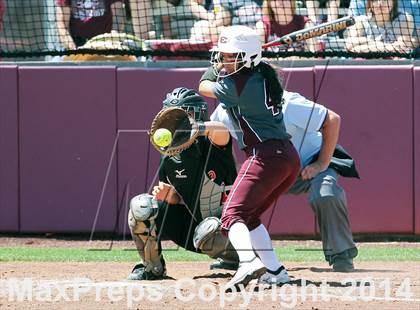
(275, 90)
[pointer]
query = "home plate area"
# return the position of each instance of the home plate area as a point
(47, 285)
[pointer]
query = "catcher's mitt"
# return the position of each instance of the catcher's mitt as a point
(184, 130)
(109, 41)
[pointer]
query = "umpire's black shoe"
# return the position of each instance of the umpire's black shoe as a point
(343, 262)
(222, 264)
(343, 265)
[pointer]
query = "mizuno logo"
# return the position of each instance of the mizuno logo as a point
(179, 174)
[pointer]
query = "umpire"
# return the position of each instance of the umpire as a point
(185, 205)
(315, 130)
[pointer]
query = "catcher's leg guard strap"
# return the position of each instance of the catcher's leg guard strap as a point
(145, 237)
(209, 239)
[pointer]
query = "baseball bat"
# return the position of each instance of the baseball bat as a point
(315, 31)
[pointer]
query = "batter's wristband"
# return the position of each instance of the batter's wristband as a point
(209, 75)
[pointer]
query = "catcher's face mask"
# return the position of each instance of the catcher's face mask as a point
(199, 113)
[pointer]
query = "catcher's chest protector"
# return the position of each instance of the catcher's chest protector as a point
(198, 174)
(211, 198)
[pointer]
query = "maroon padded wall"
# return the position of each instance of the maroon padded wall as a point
(416, 142)
(59, 129)
(67, 133)
(9, 188)
(375, 104)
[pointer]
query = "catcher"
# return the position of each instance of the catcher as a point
(186, 204)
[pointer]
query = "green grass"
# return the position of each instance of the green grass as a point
(290, 253)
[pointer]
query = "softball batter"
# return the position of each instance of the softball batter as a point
(252, 99)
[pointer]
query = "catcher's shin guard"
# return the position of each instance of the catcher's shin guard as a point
(145, 237)
(210, 240)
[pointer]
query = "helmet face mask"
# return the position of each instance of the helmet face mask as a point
(232, 63)
(241, 41)
(199, 113)
(188, 100)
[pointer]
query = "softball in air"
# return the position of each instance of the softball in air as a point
(162, 137)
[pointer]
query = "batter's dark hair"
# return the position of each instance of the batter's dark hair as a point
(272, 81)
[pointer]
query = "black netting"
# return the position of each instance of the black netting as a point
(186, 29)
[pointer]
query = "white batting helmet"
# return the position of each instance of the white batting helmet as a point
(240, 40)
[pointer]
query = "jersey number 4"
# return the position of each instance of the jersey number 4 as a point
(273, 107)
(269, 104)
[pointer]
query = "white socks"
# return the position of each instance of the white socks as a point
(262, 244)
(245, 242)
(239, 236)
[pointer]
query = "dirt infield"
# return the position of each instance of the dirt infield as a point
(383, 285)
(75, 285)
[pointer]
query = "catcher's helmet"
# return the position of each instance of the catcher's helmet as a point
(190, 101)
